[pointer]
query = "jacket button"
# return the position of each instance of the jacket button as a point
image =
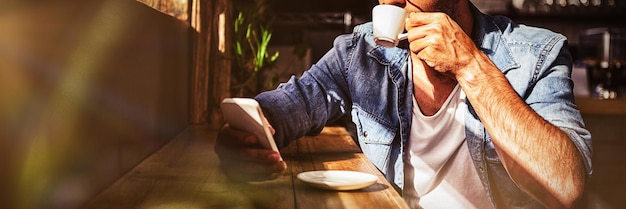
(365, 133)
(480, 168)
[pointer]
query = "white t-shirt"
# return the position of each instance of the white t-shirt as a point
(439, 172)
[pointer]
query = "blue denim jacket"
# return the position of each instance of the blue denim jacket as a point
(374, 86)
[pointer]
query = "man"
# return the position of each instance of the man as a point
(477, 111)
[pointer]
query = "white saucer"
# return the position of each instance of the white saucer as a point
(338, 179)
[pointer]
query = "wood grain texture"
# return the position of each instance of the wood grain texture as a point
(185, 174)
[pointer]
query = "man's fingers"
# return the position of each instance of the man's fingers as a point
(424, 18)
(269, 125)
(236, 137)
(243, 158)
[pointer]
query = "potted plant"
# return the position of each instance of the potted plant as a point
(252, 35)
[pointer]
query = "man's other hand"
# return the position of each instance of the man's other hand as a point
(244, 159)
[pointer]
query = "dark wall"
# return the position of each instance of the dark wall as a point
(87, 90)
(359, 7)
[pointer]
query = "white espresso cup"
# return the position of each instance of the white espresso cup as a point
(388, 23)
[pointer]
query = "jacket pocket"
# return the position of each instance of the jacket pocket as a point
(375, 138)
(370, 130)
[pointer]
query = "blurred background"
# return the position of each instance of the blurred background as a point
(88, 89)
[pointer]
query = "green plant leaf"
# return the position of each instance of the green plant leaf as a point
(252, 39)
(274, 57)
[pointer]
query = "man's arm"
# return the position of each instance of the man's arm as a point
(539, 157)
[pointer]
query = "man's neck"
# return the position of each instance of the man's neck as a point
(430, 87)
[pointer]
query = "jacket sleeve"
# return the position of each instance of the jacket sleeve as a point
(304, 105)
(552, 97)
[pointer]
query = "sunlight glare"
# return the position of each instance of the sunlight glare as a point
(44, 158)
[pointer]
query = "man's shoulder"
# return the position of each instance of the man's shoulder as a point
(364, 28)
(361, 33)
(360, 41)
(521, 34)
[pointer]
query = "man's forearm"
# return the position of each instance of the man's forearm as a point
(538, 156)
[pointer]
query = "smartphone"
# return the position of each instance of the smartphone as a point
(245, 114)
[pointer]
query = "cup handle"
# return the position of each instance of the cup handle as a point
(402, 36)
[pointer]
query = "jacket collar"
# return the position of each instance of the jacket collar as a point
(488, 37)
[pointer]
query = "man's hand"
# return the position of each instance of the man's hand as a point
(538, 156)
(440, 42)
(244, 159)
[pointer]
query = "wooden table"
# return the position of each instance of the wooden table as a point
(185, 174)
